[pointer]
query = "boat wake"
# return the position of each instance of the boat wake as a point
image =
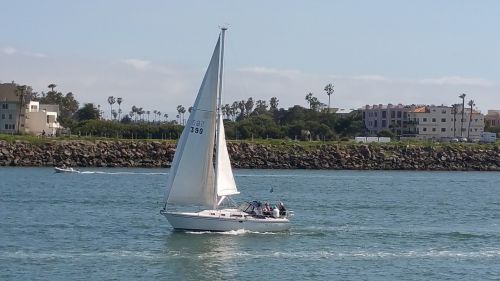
(119, 173)
(232, 232)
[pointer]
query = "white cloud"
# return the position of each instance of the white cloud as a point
(137, 63)
(159, 86)
(457, 80)
(269, 71)
(13, 51)
(378, 78)
(9, 50)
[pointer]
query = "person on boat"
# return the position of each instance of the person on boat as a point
(266, 210)
(282, 209)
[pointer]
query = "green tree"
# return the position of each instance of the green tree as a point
(273, 103)
(88, 112)
(385, 133)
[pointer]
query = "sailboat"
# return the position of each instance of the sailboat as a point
(201, 178)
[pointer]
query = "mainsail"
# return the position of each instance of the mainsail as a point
(191, 178)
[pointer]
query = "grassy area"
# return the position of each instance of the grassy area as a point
(284, 143)
(40, 139)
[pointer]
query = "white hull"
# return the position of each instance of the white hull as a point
(65, 170)
(224, 220)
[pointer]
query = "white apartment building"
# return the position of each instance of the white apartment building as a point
(41, 118)
(444, 123)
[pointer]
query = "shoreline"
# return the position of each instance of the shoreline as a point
(249, 155)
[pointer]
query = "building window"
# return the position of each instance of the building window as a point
(424, 129)
(10, 116)
(443, 119)
(434, 120)
(384, 114)
(6, 127)
(433, 129)
(384, 123)
(399, 114)
(374, 123)
(5, 106)
(3, 116)
(424, 119)
(393, 114)
(443, 111)
(47, 119)
(443, 129)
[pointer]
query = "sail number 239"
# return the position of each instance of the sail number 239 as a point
(197, 127)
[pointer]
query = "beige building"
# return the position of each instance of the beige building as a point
(444, 123)
(32, 118)
(492, 119)
(389, 117)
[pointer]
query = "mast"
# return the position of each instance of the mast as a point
(219, 103)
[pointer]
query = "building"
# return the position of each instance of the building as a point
(492, 119)
(444, 123)
(31, 118)
(341, 112)
(385, 117)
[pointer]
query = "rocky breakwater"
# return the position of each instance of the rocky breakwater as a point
(285, 155)
(87, 153)
(367, 156)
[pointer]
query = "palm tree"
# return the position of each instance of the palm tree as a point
(111, 101)
(455, 109)
(148, 112)
(329, 91)
(309, 98)
(23, 93)
(133, 112)
(462, 96)
(154, 115)
(471, 104)
(114, 114)
(52, 86)
(166, 117)
(159, 115)
(119, 102)
(181, 110)
(140, 111)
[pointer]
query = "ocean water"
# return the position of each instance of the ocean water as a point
(104, 224)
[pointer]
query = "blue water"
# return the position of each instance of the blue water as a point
(348, 225)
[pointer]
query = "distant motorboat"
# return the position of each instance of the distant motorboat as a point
(65, 170)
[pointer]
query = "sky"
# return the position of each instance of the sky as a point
(153, 53)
